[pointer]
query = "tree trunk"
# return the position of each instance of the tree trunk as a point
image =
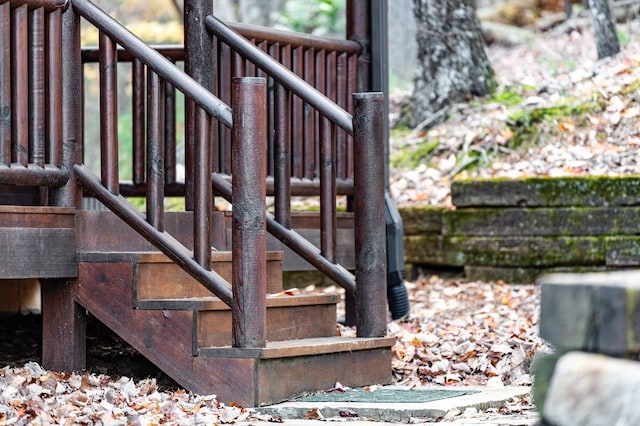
(452, 62)
(604, 28)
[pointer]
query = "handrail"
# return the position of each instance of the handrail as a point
(167, 244)
(48, 5)
(156, 61)
(281, 74)
(295, 39)
(295, 241)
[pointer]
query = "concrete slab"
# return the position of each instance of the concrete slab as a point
(484, 397)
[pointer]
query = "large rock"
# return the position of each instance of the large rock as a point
(593, 390)
(592, 312)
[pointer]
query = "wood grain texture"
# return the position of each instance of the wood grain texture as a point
(37, 252)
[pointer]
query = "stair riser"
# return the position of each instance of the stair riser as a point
(258, 382)
(283, 323)
(165, 280)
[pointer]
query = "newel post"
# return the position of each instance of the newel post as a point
(370, 239)
(248, 162)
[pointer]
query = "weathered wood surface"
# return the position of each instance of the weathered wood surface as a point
(592, 191)
(166, 338)
(421, 220)
(295, 319)
(37, 252)
(158, 278)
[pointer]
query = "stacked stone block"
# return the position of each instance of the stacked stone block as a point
(593, 322)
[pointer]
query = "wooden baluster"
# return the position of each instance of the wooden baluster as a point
(36, 87)
(203, 199)
(138, 112)
(310, 120)
(340, 76)
(327, 163)
(297, 121)
(249, 268)
(170, 133)
(5, 83)
(108, 113)
(155, 151)
(282, 156)
(20, 86)
(54, 88)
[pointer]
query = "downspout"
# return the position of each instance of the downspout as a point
(397, 296)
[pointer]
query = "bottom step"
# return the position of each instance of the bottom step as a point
(283, 370)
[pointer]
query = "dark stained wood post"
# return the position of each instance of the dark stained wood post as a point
(249, 311)
(63, 320)
(72, 139)
(5, 83)
(109, 113)
(198, 65)
(371, 271)
(155, 150)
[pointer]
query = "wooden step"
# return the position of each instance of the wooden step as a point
(157, 277)
(288, 317)
(291, 368)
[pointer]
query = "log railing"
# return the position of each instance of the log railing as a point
(30, 93)
(318, 161)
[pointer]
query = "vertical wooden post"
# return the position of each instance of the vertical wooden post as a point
(203, 199)
(63, 327)
(155, 151)
(5, 83)
(198, 51)
(249, 270)
(72, 141)
(370, 244)
(108, 113)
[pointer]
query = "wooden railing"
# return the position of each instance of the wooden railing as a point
(30, 93)
(311, 164)
(329, 65)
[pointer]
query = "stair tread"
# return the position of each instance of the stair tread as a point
(159, 257)
(300, 347)
(214, 303)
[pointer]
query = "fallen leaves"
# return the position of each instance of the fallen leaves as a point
(34, 395)
(471, 333)
(587, 114)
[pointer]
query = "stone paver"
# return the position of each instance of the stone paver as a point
(462, 410)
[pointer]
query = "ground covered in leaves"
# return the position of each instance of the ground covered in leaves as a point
(558, 111)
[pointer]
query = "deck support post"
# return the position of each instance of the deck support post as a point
(370, 244)
(63, 327)
(248, 162)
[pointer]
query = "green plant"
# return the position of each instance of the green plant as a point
(321, 17)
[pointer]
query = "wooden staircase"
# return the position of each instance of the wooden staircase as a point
(151, 276)
(177, 324)
(187, 333)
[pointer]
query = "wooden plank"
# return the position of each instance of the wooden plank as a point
(542, 221)
(591, 191)
(37, 253)
(303, 347)
(158, 278)
(283, 323)
(505, 251)
(36, 217)
(281, 378)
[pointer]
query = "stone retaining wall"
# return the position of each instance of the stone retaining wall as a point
(515, 230)
(593, 377)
